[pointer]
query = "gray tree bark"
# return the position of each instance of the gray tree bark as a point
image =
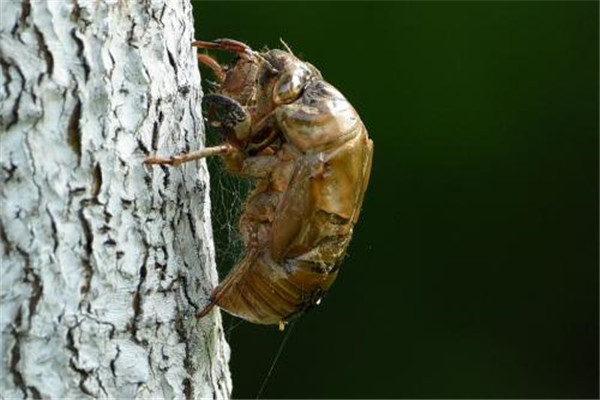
(104, 261)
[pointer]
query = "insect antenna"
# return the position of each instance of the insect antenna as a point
(287, 48)
(279, 351)
(268, 63)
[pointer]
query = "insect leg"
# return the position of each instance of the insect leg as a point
(177, 160)
(269, 134)
(227, 116)
(211, 63)
(207, 309)
(223, 44)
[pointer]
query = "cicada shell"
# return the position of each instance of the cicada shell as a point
(309, 154)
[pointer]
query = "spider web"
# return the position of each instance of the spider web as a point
(227, 195)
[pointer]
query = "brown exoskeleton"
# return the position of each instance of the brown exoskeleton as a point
(310, 156)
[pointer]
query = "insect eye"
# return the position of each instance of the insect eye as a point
(289, 86)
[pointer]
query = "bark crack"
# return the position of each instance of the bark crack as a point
(192, 225)
(15, 357)
(25, 11)
(113, 328)
(96, 181)
(88, 270)
(10, 171)
(44, 50)
(54, 230)
(8, 78)
(113, 66)
(186, 294)
(137, 306)
(101, 384)
(36, 287)
(74, 128)
(172, 61)
(113, 366)
(80, 54)
(6, 245)
(156, 126)
(131, 36)
(188, 388)
(83, 374)
(34, 170)
(35, 392)
(17, 103)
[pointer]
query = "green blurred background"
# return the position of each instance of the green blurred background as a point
(474, 269)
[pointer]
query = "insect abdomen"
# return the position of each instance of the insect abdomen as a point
(264, 292)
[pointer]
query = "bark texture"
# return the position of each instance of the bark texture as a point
(104, 261)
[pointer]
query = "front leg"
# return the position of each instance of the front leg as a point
(223, 150)
(230, 45)
(216, 68)
(228, 117)
(233, 158)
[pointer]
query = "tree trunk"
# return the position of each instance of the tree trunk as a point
(104, 260)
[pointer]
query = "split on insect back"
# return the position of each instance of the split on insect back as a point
(309, 155)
